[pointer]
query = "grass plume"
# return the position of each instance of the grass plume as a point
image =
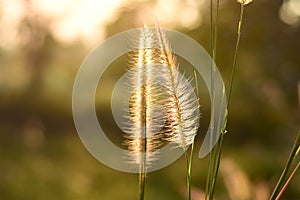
(181, 105)
(143, 140)
(160, 92)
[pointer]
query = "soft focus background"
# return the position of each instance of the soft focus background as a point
(42, 44)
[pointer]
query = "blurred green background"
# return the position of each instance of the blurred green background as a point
(43, 43)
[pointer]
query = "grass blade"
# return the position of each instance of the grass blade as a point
(292, 155)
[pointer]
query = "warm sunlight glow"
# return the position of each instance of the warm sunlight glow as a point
(72, 20)
(69, 19)
(290, 12)
(11, 12)
(179, 13)
(83, 19)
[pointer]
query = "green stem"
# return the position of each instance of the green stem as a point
(212, 52)
(208, 179)
(189, 172)
(142, 180)
(218, 150)
(235, 53)
(288, 181)
(189, 161)
(217, 165)
(142, 175)
(292, 155)
(213, 154)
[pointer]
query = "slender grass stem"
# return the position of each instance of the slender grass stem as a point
(217, 164)
(292, 155)
(209, 175)
(213, 178)
(211, 28)
(213, 154)
(218, 149)
(188, 176)
(235, 54)
(190, 159)
(191, 162)
(288, 181)
(212, 46)
(215, 36)
(142, 180)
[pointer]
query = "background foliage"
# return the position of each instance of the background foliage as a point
(41, 156)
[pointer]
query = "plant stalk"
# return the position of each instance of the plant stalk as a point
(213, 154)
(288, 181)
(218, 148)
(188, 175)
(212, 53)
(235, 54)
(190, 159)
(292, 155)
(189, 163)
(142, 175)
(142, 180)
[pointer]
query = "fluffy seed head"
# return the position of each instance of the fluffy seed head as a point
(181, 102)
(163, 106)
(143, 140)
